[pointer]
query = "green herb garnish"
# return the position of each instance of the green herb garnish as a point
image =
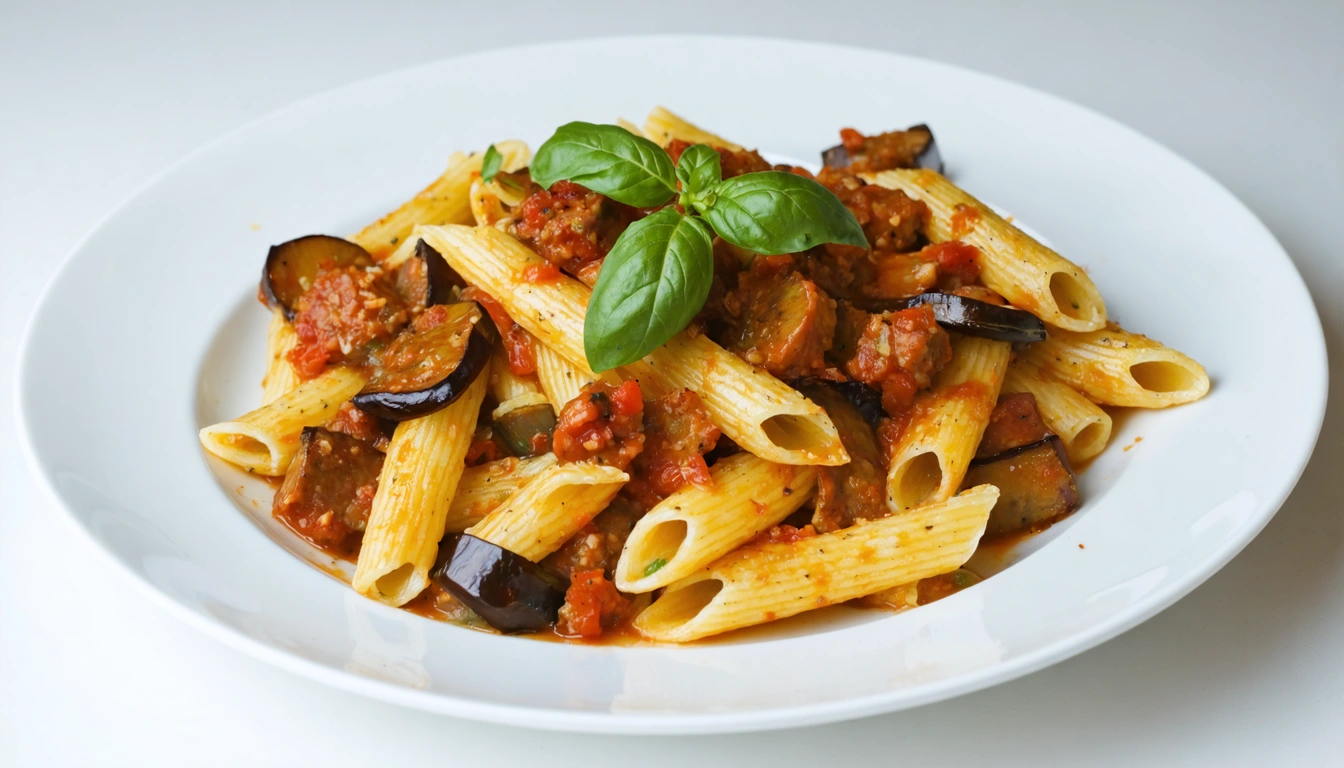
(654, 566)
(657, 276)
(490, 164)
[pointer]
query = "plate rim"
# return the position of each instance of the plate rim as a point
(666, 723)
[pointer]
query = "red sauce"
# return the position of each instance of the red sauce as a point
(343, 311)
(541, 273)
(602, 423)
(784, 534)
(517, 341)
(964, 219)
(958, 263)
(572, 227)
(678, 432)
(900, 352)
(592, 604)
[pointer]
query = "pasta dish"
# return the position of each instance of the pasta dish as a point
(645, 382)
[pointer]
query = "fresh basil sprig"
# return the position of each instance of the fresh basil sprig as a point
(490, 164)
(657, 276)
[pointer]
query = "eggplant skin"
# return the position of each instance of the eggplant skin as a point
(512, 593)
(400, 406)
(971, 317)
(519, 428)
(1036, 485)
(426, 279)
(927, 157)
(292, 266)
(866, 400)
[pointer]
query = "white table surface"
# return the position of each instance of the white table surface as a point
(95, 100)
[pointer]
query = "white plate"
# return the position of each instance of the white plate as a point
(151, 330)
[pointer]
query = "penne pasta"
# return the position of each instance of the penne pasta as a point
(1084, 428)
(662, 126)
(763, 582)
(484, 487)
(445, 201)
(265, 440)
(631, 127)
(756, 410)
(550, 508)
(280, 376)
(505, 385)
(561, 380)
(694, 526)
(419, 479)
(931, 457)
(1012, 263)
(1114, 367)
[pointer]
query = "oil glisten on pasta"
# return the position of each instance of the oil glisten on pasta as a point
(647, 384)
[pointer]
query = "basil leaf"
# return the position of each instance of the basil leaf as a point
(652, 283)
(609, 160)
(490, 164)
(773, 212)
(698, 170)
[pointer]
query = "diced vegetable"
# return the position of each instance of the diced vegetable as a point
(970, 316)
(328, 489)
(526, 431)
(512, 593)
(425, 279)
(292, 266)
(1035, 482)
(429, 365)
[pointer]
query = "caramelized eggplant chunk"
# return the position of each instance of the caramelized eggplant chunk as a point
(1035, 482)
(899, 353)
(969, 316)
(328, 489)
(779, 320)
(853, 491)
(525, 431)
(678, 432)
(914, 147)
(429, 365)
(292, 266)
(1014, 422)
(512, 593)
(425, 279)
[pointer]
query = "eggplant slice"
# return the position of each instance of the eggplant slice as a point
(325, 497)
(923, 149)
(1036, 485)
(969, 316)
(422, 371)
(292, 266)
(512, 593)
(858, 489)
(425, 279)
(526, 431)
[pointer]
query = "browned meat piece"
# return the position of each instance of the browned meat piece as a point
(853, 491)
(572, 227)
(891, 219)
(779, 320)
(328, 490)
(1013, 423)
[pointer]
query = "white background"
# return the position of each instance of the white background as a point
(95, 100)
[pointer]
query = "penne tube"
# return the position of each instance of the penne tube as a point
(550, 508)
(767, 581)
(1084, 428)
(756, 410)
(265, 440)
(662, 126)
(410, 508)
(695, 526)
(1115, 367)
(1012, 263)
(561, 380)
(445, 201)
(631, 127)
(931, 457)
(505, 385)
(484, 487)
(280, 375)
